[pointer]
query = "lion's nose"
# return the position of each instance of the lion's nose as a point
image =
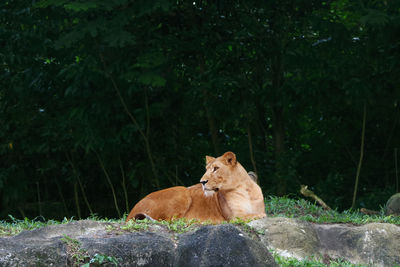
(203, 182)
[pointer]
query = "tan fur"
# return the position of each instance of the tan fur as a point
(228, 193)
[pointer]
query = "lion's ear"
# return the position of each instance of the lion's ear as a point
(229, 158)
(209, 159)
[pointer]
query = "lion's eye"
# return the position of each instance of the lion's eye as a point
(215, 169)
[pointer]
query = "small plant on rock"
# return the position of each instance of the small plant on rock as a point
(74, 250)
(100, 259)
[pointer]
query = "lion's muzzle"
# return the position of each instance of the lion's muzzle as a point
(208, 191)
(204, 182)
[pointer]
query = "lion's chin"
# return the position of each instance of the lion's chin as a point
(208, 193)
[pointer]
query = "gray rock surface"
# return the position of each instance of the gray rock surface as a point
(376, 244)
(219, 245)
(393, 205)
(222, 245)
(288, 237)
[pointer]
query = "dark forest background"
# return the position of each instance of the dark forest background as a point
(102, 102)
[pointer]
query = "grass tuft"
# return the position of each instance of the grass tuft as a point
(275, 207)
(307, 211)
(293, 262)
(15, 226)
(180, 225)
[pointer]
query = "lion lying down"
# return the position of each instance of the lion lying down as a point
(225, 192)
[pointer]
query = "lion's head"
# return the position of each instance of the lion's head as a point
(222, 173)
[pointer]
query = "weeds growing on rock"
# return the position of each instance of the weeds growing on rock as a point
(99, 260)
(15, 226)
(180, 225)
(74, 250)
(312, 262)
(80, 256)
(133, 225)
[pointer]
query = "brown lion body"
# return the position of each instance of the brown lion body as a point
(225, 192)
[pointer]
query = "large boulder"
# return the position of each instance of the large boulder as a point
(393, 205)
(288, 237)
(74, 243)
(374, 244)
(223, 245)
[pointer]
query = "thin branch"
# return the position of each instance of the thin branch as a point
(369, 212)
(361, 157)
(109, 182)
(308, 193)
(38, 196)
(76, 174)
(253, 161)
(133, 119)
(78, 209)
(124, 185)
(124, 105)
(62, 197)
(397, 173)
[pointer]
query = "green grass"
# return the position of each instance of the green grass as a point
(307, 211)
(14, 226)
(293, 262)
(181, 225)
(275, 207)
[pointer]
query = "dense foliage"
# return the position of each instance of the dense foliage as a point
(104, 101)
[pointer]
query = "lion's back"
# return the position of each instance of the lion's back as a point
(163, 204)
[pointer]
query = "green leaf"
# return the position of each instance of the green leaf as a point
(118, 37)
(47, 3)
(375, 18)
(150, 60)
(77, 6)
(152, 79)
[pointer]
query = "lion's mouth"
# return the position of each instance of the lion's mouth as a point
(215, 189)
(209, 191)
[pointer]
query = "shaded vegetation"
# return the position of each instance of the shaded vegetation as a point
(102, 102)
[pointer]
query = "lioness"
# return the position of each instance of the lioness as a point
(225, 192)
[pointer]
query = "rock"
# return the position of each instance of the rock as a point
(221, 245)
(50, 252)
(288, 237)
(44, 247)
(374, 244)
(393, 205)
(134, 249)
(74, 243)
